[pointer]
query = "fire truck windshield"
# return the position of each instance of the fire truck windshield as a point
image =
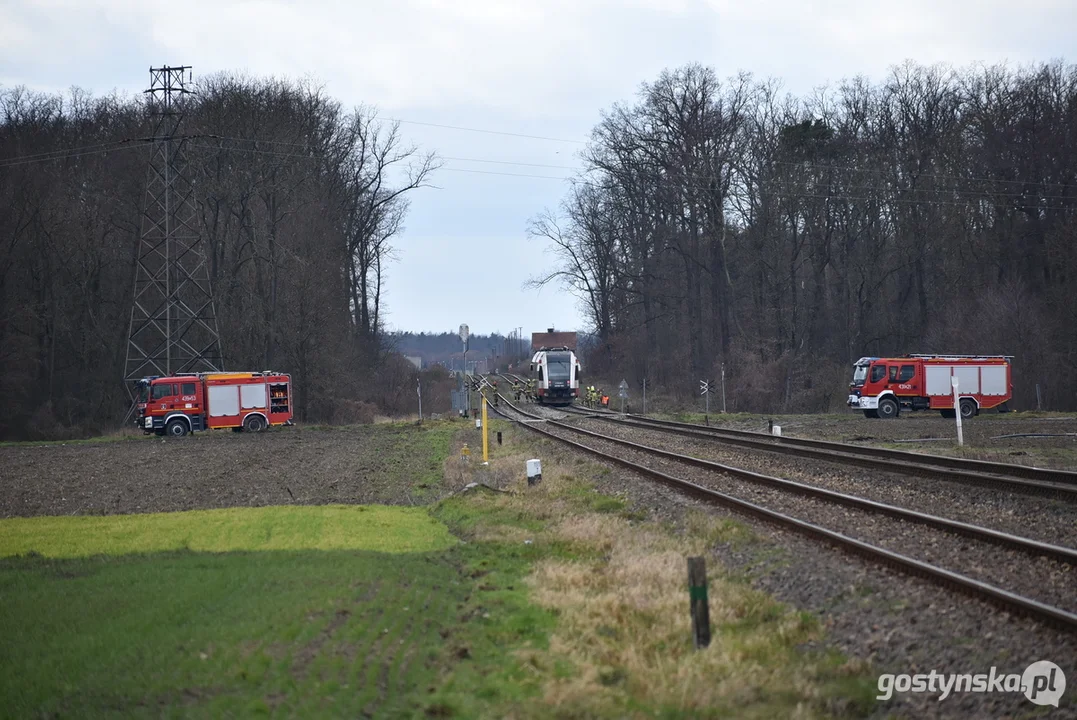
(860, 374)
(143, 392)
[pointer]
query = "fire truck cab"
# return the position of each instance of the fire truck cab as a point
(883, 387)
(188, 402)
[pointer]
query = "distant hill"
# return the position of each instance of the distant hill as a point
(446, 349)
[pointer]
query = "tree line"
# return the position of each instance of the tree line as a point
(722, 223)
(445, 348)
(299, 201)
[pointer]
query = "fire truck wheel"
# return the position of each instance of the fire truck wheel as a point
(254, 423)
(176, 428)
(888, 408)
(968, 409)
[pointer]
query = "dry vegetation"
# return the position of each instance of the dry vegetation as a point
(617, 584)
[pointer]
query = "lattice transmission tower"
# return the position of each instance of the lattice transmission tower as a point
(173, 321)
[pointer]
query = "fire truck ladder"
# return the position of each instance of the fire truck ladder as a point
(960, 357)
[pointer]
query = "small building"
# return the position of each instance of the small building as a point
(415, 360)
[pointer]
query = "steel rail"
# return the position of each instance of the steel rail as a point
(1002, 598)
(903, 462)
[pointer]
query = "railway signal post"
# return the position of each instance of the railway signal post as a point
(704, 390)
(723, 388)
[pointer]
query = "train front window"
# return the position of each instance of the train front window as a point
(558, 368)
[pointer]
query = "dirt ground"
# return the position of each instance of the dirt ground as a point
(393, 464)
(928, 432)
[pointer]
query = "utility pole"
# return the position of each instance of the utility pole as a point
(173, 324)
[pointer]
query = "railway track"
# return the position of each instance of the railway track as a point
(1061, 484)
(1008, 600)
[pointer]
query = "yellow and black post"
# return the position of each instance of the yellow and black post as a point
(485, 434)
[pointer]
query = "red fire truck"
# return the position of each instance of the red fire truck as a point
(883, 387)
(187, 402)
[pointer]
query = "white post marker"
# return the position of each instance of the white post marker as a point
(419, 390)
(534, 471)
(957, 410)
(723, 387)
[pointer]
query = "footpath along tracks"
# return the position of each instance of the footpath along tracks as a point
(962, 556)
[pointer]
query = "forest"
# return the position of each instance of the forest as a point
(297, 202)
(721, 223)
(717, 224)
(445, 348)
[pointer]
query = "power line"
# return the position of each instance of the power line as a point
(509, 162)
(66, 154)
(255, 151)
(493, 172)
(837, 197)
(489, 132)
(977, 195)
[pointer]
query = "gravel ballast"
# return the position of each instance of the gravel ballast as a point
(898, 623)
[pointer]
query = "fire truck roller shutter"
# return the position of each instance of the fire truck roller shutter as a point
(223, 400)
(253, 396)
(968, 379)
(993, 378)
(938, 379)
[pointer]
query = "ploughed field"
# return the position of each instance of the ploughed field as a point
(218, 469)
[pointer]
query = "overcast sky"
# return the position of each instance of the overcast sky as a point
(544, 68)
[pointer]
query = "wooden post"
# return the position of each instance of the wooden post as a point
(498, 437)
(697, 594)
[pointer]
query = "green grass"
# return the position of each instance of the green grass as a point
(337, 612)
(325, 527)
(305, 633)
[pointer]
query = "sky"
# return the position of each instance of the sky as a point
(542, 68)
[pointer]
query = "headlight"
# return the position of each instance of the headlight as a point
(149, 422)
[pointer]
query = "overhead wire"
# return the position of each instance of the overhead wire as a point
(702, 178)
(65, 153)
(488, 132)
